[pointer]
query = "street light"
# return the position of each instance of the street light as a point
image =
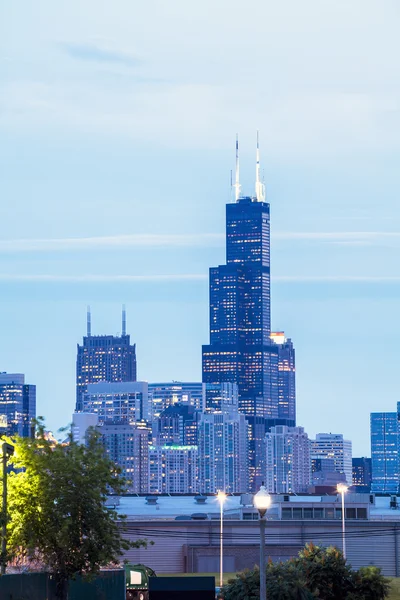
(262, 501)
(221, 499)
(342, 489)
(8, 450)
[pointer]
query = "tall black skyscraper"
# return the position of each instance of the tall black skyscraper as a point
(104, 358)
(241, 349)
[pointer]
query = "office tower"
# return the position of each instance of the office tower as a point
(173, 469)
(221, 396)
(108, 358)
(332, 445)
(241, 350)
(128, 446)
(223, 452)
(177, 424)
(17, 405)
(362, 473)
(118, 401)
(288, 460)
(163, 395)
(286, 379)
(81, 423)
(385, 452)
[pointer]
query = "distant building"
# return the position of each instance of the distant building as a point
(81, 423)
(286, 379)
(118, 401)
(362, 474)
(163, 395)
(385, 452)
(128, 446)
(178, 425)
(107, 358)
(332, 445)
(223, 452)
(221, 396)
(288, 462)
(17, 405)
(173, 469)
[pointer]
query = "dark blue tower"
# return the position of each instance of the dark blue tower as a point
(241, 350)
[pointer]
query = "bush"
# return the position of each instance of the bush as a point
(317, 573)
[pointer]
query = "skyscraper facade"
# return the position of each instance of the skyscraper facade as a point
(118, 401)
(128, 446)
(163, 395)
(223, 452)
(286, 379)
(104, 358)
(173, 469)
(288, 460)
(17, 405)
(385, 452)
(333, 445)
(177, 424)
(241, 350)
(362, 473)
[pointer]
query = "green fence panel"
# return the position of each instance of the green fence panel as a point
(108, 585)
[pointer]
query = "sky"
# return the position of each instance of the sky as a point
(117, 132)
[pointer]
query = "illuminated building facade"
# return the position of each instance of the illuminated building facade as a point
(163, 395)
(128, 446)
(385, 452)
(104, 358)
(241, 350)
(17, 405)
(286, 379)
(334, 446)
(173, 469)
(288, 460)
(119, 401)
(223, 452)
(362, 473)
(177, 424)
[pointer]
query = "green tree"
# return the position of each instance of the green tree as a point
(57, 512)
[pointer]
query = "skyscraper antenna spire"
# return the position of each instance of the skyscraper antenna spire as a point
(237, 185)
(260, 187)
(123, 320)
(88, 322)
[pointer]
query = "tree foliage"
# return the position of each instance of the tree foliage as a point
(57, 512)
(317, 573)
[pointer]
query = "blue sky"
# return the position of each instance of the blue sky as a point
(117, 128)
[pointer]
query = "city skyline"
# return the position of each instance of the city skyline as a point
(105, 204)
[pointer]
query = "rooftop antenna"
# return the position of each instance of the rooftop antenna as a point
(123, 320)
(89, 322)
(237, 185)
(260, 187)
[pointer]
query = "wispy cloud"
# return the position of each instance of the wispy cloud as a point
(214, 240)
(96, 53)
(189, 277)
(109, 242)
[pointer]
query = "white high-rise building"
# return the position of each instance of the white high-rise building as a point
(332, 445)
(118, 401)
(288, 460)
(173, 469)
(223, 452)
(81, 422)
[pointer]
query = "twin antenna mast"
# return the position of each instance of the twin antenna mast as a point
(260, 186)
(89, 321)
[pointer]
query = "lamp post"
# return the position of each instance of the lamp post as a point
(342, 489)
(8, 450)
(262, 501)
(221, 499)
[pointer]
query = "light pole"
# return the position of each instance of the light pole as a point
(342, 489)
(8, 450)
(262, 501)
(221, 499)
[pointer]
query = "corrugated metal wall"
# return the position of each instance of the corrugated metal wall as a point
(176, 544)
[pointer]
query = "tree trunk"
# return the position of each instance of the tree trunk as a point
(61, 587)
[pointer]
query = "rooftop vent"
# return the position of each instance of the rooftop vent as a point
(200, 499)
(151, 500)
(199, 516)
